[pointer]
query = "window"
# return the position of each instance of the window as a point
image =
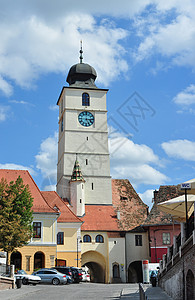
(87, 238)
(60, 238)
(99, 238)
(85, 99)
(123, 198)
(86, 162)
(166, 238)
(62, 124)
(115, 270)
(40, 272)
(37, 230)
(28, 263)
(92, 186)
(62, 106)
(138, 240)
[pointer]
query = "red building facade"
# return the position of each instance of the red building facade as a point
(161, 237)
(161, 227)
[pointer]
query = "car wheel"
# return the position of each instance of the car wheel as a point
(55, 281)
(25, 281)
(34, 283)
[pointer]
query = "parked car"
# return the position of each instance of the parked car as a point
(26, 278)
(51, 276)
(85, 276)
(76, 274)
(65, 270)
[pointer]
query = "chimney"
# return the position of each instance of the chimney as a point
(155, 195)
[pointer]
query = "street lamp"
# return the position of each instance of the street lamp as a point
(78, 241)
(186, 186)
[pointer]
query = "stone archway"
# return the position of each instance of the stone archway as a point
(39, 260)
(135, 272)
(96, 264)
(16, 259)
(190, 285)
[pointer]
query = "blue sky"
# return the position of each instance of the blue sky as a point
(143, 51)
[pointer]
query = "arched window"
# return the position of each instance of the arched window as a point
(87, 238)
(85, 99)
(115, 270)
(99, 238)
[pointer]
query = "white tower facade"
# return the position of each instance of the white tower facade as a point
(83, 133)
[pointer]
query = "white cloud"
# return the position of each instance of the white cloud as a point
(133, 161)
(46, 46)
(50, 187)
(5, 87)
(21, 102)
(13, 166)
(182, 149)
(159, 32)
(186, 97)
(53, 107)
(3, 113)
(40, 37)
(47, 158)
(147, 197)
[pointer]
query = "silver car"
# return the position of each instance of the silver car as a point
(51, 276)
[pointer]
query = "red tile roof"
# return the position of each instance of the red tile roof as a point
(99, 218)
(39, 203)
(66, 214)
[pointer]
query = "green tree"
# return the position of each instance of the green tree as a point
(16, 215)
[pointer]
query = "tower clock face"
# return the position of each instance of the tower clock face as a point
(86, 118)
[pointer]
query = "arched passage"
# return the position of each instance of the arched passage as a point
(96, 264)
(16, 259)
(135, 272)
(190, 285)
(39, 260)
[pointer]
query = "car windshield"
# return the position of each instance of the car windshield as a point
(22, 272)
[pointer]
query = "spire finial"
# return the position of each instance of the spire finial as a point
(81, 53)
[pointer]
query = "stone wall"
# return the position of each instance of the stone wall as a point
(6, 283)
(177, 275)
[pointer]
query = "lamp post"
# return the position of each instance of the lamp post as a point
(186, 186)
(78, 241)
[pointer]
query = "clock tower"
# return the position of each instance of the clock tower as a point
(83, 137)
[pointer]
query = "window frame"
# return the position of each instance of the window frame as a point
(164, 237)
(60, 233)
(138, 240)
(85, 99)
(99, 239)
(85, 237)
(36, 228)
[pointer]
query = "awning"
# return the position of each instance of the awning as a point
(176, 207)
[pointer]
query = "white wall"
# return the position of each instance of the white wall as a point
(117, 255)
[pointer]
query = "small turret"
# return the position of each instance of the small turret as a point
(77, 190)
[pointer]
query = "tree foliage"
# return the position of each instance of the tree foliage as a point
(15, 214)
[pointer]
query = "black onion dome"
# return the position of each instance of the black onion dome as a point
(82, 75)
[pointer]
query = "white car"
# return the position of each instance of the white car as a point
(27, 279)
(86, 276)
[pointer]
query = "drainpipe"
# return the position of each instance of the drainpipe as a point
(126, 273)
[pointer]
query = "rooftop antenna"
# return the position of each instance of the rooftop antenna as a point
(81, 53)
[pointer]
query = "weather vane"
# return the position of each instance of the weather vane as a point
(81, 53)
